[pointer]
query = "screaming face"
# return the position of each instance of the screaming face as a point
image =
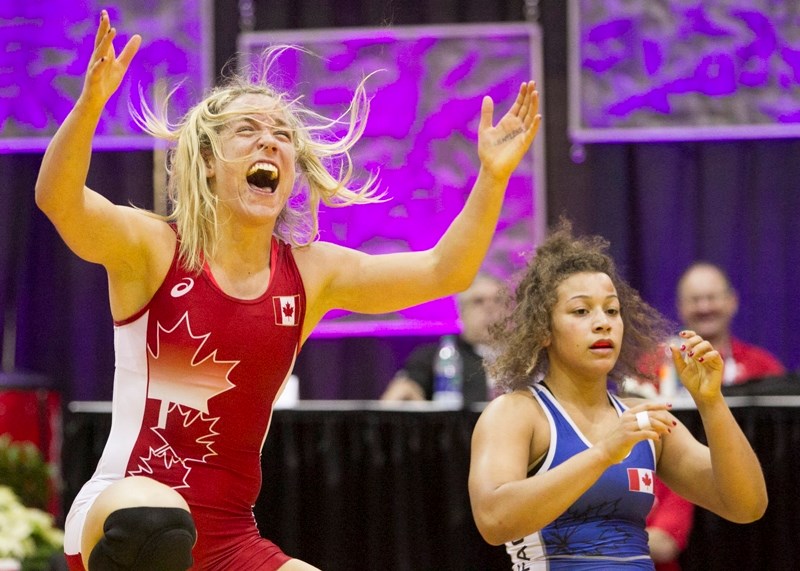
(253, 169)
(264, 176)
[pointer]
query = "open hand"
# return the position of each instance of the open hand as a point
(501, 147)
(699, 366)
(106, 70)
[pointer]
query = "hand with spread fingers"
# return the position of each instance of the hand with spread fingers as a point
(699, 366)
(502, 146)
(105, 71)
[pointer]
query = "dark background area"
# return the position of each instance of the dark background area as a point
(352, 490)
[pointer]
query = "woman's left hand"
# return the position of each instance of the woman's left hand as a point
(106, 70)
(700, 370)
(501, 147)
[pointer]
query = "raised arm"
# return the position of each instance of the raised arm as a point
(90, 225)
(725, 477)
(338, 277)
(500, 149)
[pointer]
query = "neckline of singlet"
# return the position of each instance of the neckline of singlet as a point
(536, 464)
(273, 256)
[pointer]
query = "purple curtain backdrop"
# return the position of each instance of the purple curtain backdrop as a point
(426, 88)
(661, 205)
(47, 45)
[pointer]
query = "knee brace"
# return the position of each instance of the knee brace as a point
(135, 539)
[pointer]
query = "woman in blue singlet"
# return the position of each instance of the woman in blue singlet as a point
(562, 470)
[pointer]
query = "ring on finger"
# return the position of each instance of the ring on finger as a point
(643, 420)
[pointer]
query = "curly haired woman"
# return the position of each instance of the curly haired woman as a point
(562, 470)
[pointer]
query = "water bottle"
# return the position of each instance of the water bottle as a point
(668, 383)
(448, 374)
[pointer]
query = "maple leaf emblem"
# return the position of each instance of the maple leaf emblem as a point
(647, 480)
(171, 459)
(194, 442)
(288, 310)
(172, 470)
(179, 375)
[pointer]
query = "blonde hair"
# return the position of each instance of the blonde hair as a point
(323, 161)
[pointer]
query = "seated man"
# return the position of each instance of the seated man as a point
(478, 308)
(707, 303)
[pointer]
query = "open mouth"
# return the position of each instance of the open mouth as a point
(264, 176)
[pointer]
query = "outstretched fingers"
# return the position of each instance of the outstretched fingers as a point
(532, 112)
(519, 103)
(695, 348)
(530, 95)
(130, 49)
(102, 28)
(105, 70)
(104, 44)
(487, 113)
(528, 112)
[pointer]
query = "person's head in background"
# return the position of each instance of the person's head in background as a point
(706, 302)
(479, 307)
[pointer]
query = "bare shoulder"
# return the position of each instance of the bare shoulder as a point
(510, 434)
(137, 270)
(313, 262)
(153, 225)
(321, 263)
(321, 257)
(517, 410)
(316, 263)
(148, 235)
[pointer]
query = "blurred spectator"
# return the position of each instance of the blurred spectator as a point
(668, 526)
(707, 303)
(671, 518)
(478, 308)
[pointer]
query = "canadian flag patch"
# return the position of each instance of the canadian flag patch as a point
(285, 309)
(640, 480)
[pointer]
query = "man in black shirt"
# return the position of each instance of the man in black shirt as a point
(478, 308)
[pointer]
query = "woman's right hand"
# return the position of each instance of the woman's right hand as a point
(105, 71)
(656, 422)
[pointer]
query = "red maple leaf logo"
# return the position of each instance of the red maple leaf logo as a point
(288, 310)
(178, 374)
(648, 481)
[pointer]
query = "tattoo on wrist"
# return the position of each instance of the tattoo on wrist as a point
(507, 137)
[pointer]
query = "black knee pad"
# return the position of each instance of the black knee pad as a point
(145, 538)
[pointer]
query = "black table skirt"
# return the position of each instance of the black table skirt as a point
(385, 489)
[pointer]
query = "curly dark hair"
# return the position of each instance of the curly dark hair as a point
(520, 336)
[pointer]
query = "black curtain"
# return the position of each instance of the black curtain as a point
(58, 303)
(734, 203)
(379, 489)
(661, 205)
